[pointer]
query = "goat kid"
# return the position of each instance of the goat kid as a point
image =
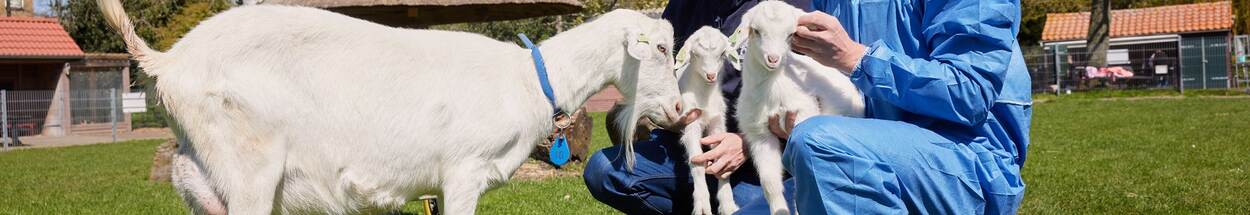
(699, 63)
(300, 110)
(776, 81)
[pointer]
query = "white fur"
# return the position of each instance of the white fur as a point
(706, 50)
(300, 110)
(789, 83)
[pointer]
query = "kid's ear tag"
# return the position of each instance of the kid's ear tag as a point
(737, 47)
(559, 153)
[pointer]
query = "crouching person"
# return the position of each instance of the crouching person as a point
(947, 129)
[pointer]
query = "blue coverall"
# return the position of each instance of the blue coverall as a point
(949, 107)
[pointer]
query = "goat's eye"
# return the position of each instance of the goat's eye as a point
(661, 48)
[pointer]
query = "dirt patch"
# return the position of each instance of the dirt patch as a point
(145, 130)
(533, 170)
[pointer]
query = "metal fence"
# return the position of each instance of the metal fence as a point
(32, 113)
(1064, 70)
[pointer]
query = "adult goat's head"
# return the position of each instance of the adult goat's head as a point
(768, 26)
(646, 79)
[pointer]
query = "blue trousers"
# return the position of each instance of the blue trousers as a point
(837, 165)
(660, 181)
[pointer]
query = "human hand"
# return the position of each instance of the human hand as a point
(782, 131)
(725, 157)
(821, 37)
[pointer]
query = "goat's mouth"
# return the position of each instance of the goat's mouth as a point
(667, 119)
(770, 66)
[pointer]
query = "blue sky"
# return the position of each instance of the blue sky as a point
(41, 6)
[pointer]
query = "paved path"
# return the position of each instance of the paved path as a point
(33, 142)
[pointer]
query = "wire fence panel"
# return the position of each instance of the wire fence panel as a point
(1141, 66)
(27, 111)
(93, 106)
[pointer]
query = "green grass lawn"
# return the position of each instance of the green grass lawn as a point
(1147, 156)
(1088, 156)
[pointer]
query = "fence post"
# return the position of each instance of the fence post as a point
(113, 111)
(1058, 78)
(4, 110)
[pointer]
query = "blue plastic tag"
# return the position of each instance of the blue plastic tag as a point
(559, 153)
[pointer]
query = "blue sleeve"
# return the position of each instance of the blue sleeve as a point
(970, 47)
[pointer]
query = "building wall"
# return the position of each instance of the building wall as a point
(27, 9)
(28, 87)
(29, 76)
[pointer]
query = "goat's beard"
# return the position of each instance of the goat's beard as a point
(626, 124)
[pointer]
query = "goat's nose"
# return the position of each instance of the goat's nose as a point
(772, 59)
(678, 106)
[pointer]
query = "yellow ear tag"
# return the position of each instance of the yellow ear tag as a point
(738, 37)
(642, 38)
(737, 47)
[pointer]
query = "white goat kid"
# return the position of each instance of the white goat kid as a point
(300, 110)
(699, 62)
(776, 81)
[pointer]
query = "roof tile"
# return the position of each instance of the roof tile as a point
(1144, 21)
(35, 37)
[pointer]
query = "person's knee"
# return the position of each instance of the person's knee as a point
(637, 192)
(818, 134)
(822, 130)
(598, 167)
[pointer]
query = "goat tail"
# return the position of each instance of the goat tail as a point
(115, 16)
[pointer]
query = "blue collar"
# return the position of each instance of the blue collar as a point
(542, 72)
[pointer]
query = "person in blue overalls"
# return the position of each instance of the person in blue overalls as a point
(949, 108)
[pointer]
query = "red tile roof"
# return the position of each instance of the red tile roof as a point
(35, 38)
(1144, 21)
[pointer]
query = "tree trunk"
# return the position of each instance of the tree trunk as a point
(1099, 33)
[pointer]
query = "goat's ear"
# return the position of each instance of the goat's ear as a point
(682, 60)
(637, 44)
(733, 53)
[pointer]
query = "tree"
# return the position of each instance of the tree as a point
(1241, 9)
(540, 28)
(82, 19)
(1099, 32)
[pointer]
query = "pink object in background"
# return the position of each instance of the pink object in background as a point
(1118, 72)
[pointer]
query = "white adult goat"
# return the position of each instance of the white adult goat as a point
(300, 110)
(700, 61)
(776, 81)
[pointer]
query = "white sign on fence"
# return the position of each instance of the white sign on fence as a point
(134, 102)
(1117, 57)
